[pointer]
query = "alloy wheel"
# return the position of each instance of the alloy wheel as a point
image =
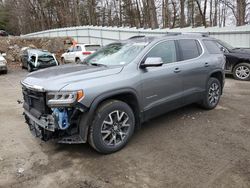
(115, 128)
(214, 94)
(242, 72)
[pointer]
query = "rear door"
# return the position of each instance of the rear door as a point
(194, 67)
(162, 86)
(67, 55)
(78, 52)
(72, 55)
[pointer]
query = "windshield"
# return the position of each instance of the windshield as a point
(116, 54)
(92, 47)
(46, 58)
(226, 45)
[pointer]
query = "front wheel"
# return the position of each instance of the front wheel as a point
(112, 127)
(29, 68)
(242, 71)
(212, 94)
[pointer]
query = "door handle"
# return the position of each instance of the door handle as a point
(206, 64)
(176, 70)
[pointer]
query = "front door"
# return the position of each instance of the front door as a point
(162, 86)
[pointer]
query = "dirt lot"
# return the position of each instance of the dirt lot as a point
(189, 147)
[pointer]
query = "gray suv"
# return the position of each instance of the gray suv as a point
(103, 100)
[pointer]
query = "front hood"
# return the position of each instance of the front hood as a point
(241, 51)
(55, 78)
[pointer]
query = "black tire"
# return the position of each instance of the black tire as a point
(29, 68)
(242, 71)
(62, 60)
(212, 96)
(78, 61)
(108, 110)
(5, 71)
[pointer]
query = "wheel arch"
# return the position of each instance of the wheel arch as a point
(220, 75)
(77, 58)
(240, 60)
(127, 95)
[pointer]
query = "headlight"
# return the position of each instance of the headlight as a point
(3, 62)
(64, 98)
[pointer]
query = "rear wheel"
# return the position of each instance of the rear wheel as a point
(78, 60)
(212, 94)
(242, 71)
(112, 127)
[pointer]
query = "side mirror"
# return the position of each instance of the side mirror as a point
(152, 62)
(4, 54)
(223, 49)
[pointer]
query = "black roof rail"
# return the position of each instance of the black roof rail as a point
(137, 36)
(202, 34)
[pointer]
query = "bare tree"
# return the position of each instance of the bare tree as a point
(202, 12)
(182, 13)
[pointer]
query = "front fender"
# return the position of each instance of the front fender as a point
(87, 118)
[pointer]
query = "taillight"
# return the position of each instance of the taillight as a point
(86, 53)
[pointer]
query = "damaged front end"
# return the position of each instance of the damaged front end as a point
(54, 115)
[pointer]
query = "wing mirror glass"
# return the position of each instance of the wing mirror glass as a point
(223, 49)
(152, 62)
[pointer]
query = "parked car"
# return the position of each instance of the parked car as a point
(237, 61)
(3, 64)
(3, 33)
(34, 59)
(79, 52)
(116, 89)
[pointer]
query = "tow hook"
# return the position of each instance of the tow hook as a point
(61, 117)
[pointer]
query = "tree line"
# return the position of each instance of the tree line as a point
(25, 16)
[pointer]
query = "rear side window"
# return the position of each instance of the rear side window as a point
(190, 48)
(165, 50)
(77, 49)
(92, 47)
(212, 47)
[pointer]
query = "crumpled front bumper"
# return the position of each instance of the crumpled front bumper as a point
(46, 122)
(46, 129)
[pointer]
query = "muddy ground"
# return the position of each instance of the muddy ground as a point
(189, 147)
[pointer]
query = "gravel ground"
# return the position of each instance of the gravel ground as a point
(189, 147)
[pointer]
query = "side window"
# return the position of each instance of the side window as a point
(70, 49)
(190, 48)
(77, 49)
(212, 47)
(74, 49)
(165, 50)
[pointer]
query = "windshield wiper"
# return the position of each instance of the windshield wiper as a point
(98, 64)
